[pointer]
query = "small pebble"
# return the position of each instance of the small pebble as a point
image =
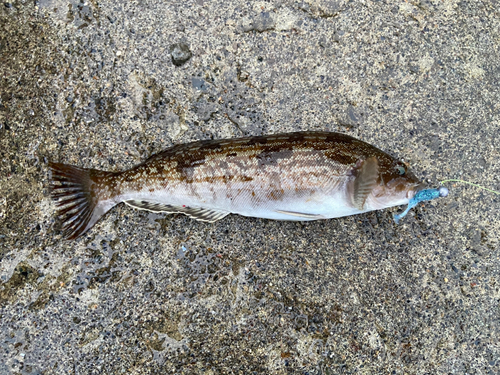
(180, 53)
(262, 22)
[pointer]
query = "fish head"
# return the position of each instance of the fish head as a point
(396, 184)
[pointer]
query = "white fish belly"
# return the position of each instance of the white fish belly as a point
(318, 206)
(244, 201)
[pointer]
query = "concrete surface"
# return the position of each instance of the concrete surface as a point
(93, 84)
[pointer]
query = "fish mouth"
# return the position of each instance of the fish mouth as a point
(411, 192)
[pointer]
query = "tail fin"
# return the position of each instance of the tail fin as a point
(76, 193)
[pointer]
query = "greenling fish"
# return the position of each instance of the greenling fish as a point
(297, 176)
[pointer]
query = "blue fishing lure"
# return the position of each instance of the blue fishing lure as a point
(423, 195)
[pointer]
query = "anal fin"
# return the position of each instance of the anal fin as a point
(151, 206)
(197, 213)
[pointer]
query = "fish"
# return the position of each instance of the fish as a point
(300, 176)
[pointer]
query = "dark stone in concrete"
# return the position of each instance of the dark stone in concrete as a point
(180, 53)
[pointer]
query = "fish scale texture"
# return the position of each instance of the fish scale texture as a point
(93, 84)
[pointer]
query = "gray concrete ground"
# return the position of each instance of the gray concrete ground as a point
(93, 83)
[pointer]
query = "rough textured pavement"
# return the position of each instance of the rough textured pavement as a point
(93, 83)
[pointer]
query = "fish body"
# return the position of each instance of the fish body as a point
(295, 176)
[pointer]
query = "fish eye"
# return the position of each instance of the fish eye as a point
(401, 170)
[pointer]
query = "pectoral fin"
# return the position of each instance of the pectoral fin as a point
(197, 213)
(365, 181)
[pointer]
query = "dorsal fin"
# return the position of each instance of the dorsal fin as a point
(197, 213)
(366, 180)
